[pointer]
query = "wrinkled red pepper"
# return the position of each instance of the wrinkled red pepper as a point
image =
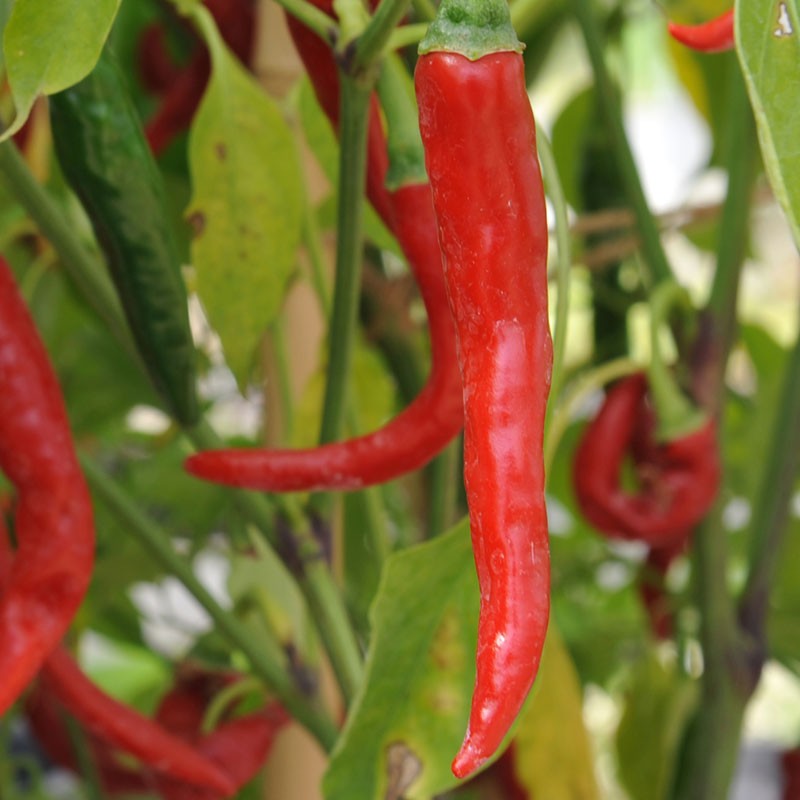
(479, 137)
(53, 520)
(678, 482)
(714, 36)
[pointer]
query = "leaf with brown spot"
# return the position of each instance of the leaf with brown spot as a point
(247, 195)
(408, 720)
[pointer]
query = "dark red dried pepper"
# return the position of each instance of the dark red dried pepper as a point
(677, 483)
(714, 36)
(53, 519)
(480, 152)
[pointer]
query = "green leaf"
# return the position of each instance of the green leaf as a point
(552, 753)
(659, 702)
(768, 43)
(408, 720)
(50, 46)
(246, 207)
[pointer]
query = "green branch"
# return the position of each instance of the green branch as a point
(711, 744)
(81, 267)
(264, 656)
(655, 257)
(375, 37)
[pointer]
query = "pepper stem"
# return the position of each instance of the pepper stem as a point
(472, 28)
(677, 415)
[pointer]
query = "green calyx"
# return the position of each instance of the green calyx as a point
(472, 28)
(677, 415)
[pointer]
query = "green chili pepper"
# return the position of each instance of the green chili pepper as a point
(106, 160)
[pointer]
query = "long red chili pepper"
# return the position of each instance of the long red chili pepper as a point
(53, 519)
(435, 416)
(682, 475)
(714, 36)
(480, 151)
(411, 438)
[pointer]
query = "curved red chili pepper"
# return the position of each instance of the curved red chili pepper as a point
(127, 729)
(46, 720)
(53, 518)
(674, 499)
(480, 152)
(410, 439)
(714, 36)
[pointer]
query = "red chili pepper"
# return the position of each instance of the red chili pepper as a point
(411, 438)
(45, 717)
(435, 416)
(237, 25)
(239, 746)
(480, 151)
(790, 763)
(53, 519)
(127, 729)
(714, 36)
(677, 484)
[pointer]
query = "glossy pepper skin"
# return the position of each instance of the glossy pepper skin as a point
(480, 152)
(408, 441)
(675, 491)
(53, 518)
(714, 36)
(106, 160)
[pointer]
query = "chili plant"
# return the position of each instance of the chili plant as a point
(314, 401)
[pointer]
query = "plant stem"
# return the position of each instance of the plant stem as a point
(441, 480)
(313, 576)
(657, 264)
(406, 35)
(83, 269)
(262, 656)
(376, 35)
(347, 282)
(730, 672)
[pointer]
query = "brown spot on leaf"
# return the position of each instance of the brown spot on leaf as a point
(221, 150)
(403, 767)
(197, 220)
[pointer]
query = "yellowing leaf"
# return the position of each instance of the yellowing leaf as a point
(552, 753)
(49, 46)
(246, 207)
